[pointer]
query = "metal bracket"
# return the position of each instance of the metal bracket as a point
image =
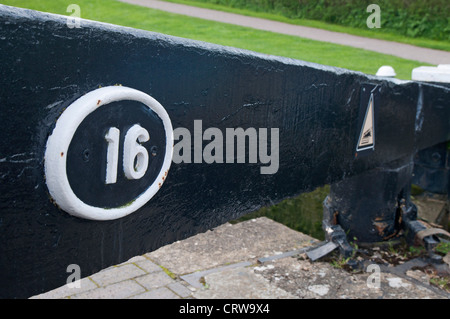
(335, 237)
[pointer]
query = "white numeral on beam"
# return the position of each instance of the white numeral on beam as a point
(112, 155)
(135, 156)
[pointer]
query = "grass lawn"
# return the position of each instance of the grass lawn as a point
(370, 33)
(302, 213)
(115, 12)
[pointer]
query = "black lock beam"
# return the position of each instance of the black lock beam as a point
(312, 114)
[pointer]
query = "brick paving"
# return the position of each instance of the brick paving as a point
(256, 259)
(138, 278)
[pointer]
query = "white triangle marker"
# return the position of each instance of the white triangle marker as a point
(367, 136)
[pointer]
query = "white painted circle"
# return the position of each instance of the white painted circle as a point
(59, 141)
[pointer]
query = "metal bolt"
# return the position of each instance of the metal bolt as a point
(86, 153)
(436, 157)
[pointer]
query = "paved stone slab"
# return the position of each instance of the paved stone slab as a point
(301, 279)
(65, 291)
(308, 280)
(180, 289)
(117, 274)
(268, 263)
(120, 290)
(160, 293)
(134, 260)
(237, 283)
(154, 280)
(228, 244)
(196, 279)
(148, 265)
(432, 208)
(446, 259)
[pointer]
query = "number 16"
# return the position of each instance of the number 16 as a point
(135, 156)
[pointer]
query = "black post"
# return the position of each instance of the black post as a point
(432, 169)
(367, 206)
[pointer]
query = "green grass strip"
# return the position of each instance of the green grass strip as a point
(120, 13)
(369, 33)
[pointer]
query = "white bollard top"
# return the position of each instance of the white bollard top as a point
(441, 73)
(386, 71)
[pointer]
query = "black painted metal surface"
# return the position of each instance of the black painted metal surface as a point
(45, 66)
(367, 206)
(431, 169)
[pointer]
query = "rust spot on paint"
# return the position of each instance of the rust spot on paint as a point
(98, 102)
(62, 154)
(335, 216)
(159, 184)
(380, 226)
(163, 178)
